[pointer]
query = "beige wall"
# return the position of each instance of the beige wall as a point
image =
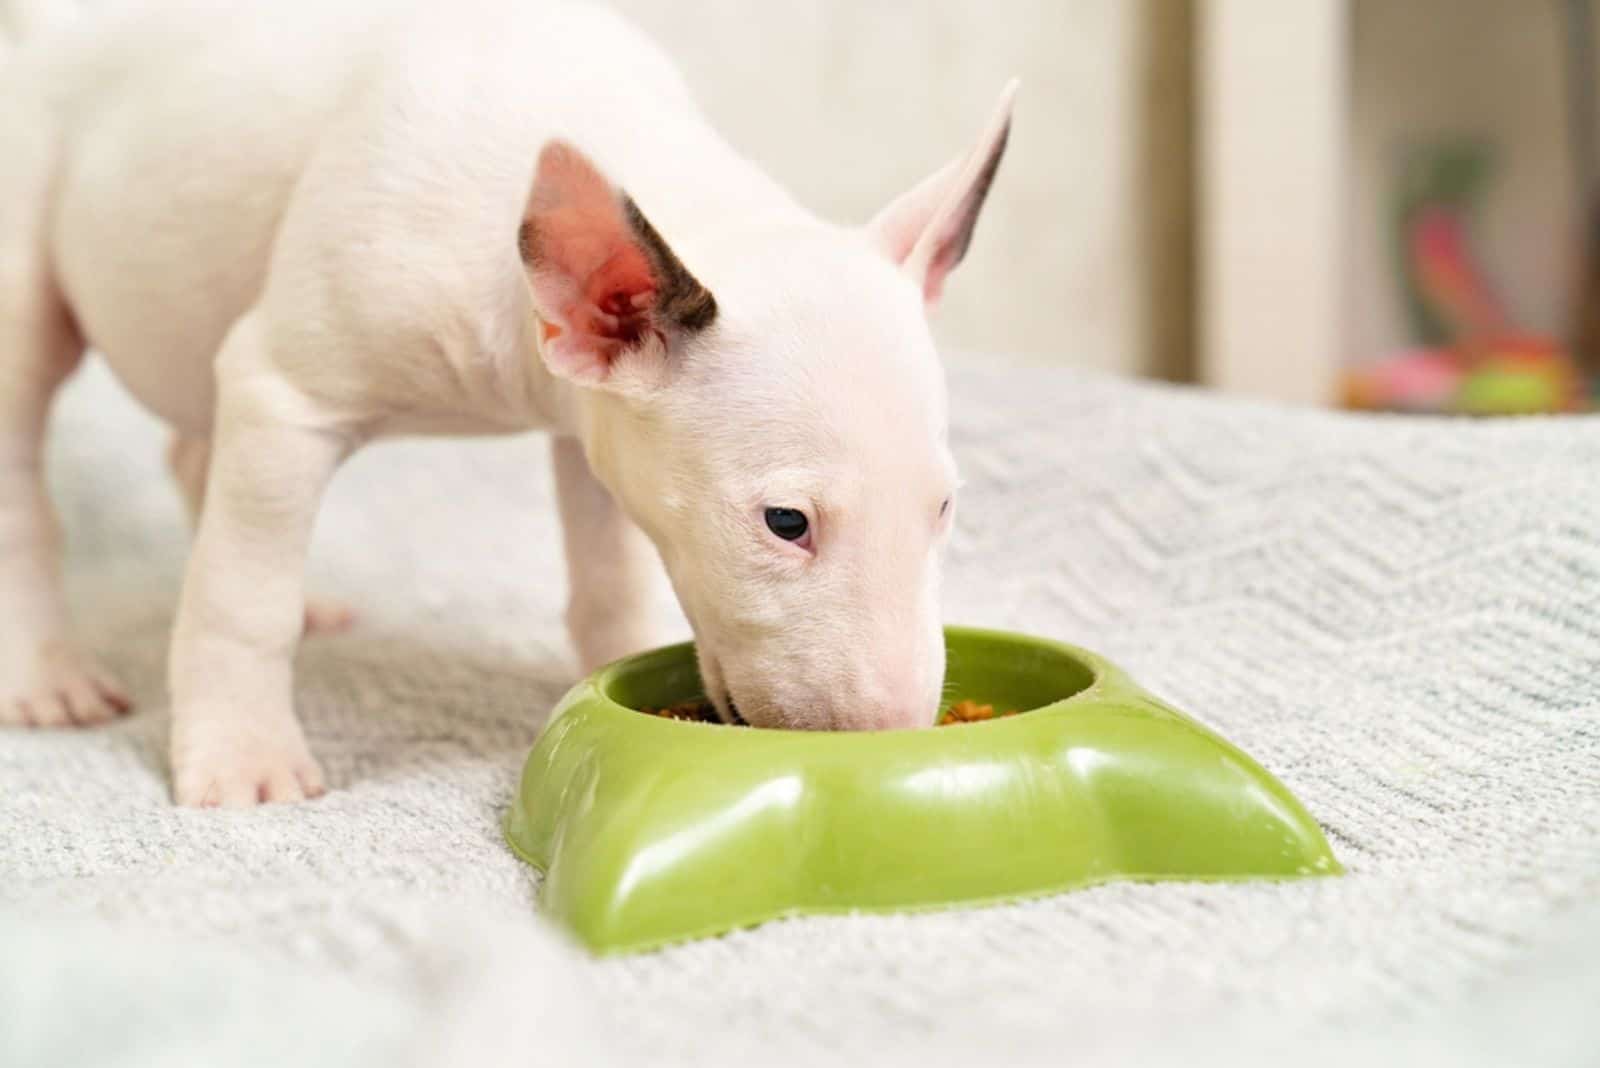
(1081, 256)
(1271, 125)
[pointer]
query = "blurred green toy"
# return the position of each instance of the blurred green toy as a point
(1474, 361)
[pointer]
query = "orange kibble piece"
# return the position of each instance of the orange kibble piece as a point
(972, 712)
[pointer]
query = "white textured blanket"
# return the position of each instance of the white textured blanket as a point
(1401, 619)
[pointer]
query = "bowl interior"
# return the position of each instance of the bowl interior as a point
(1005, 670)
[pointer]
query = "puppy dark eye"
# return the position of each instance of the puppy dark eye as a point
(944, 508)
(787, 523)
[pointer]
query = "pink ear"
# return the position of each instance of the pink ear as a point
(604, 282)
(928, 229)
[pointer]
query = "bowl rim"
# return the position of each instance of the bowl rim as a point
(1105, 681)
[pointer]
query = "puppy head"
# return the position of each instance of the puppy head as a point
(780, 433)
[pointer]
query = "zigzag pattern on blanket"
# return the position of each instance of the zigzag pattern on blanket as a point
(1401, 619)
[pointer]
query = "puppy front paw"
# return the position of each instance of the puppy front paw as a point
(55, 684)
(221, 760)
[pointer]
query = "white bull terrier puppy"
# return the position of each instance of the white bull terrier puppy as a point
(293, 228)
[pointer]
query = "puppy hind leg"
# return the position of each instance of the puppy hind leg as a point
(46, 680)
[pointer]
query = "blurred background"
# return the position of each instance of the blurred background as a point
(1369, 203)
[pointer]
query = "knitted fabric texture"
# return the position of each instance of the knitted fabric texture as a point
(1399, 618)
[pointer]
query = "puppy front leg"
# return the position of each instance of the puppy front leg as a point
(235, 738)
(189, 458)
(610, 565)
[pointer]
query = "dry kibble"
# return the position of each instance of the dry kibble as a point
(971, 712)
(702, 712)
(694, 711)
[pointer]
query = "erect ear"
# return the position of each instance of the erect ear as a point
(927, 230)
(608, 289)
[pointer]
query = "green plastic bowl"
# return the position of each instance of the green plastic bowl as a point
(653, 830)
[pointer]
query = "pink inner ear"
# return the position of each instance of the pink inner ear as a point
(590, 276)
(616, 298)
(897, 227)
(924, 220)
(926, 230)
